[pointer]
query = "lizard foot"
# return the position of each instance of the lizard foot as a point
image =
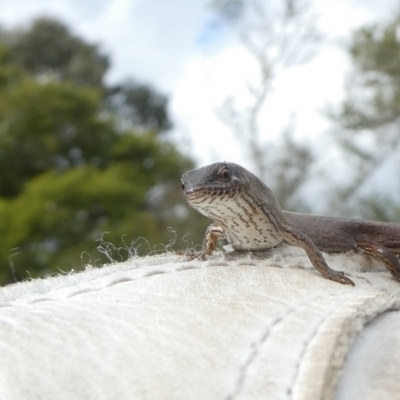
(340, 277)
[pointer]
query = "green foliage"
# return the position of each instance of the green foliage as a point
(51, 125)
(377, 48)
(48, 48)
(48, 51)
(368, 118)
(10, 73)
(139, 105)
(72, 170)
(60, 216)
(374, 99)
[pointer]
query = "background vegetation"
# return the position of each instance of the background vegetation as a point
(367, 124)
(366, 134)
(89, 173)
(79, 160)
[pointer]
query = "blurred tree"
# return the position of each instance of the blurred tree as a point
(73, 171)
(278, 35)
(48, 50)
(290, 161)
(139, 105)
(51, 125)
(61, 215)
(368, 120)
(10, 73)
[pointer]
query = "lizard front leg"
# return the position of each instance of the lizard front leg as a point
(299, 239)
(214, 232)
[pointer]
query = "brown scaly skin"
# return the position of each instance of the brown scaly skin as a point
(247, 215)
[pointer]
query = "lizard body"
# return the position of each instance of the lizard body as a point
(247, 215)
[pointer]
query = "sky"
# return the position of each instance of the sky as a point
(182, 49)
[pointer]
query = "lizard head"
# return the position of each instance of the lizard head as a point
(215, 184)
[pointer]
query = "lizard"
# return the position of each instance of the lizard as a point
(247, 215)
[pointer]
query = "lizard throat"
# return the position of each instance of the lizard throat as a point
(246, 222)
(201, 197)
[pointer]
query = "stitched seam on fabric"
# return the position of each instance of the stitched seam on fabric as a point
(350, 317)
(107, 285)
(243, 370)
(306, 346)
(353, 333)
(44, 296)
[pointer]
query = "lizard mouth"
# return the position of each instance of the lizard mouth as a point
(201, 195)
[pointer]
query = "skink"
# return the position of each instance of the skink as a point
(247, 215)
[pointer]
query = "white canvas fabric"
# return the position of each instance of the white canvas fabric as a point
(163, 328)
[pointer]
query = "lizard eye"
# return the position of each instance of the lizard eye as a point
(225, 174)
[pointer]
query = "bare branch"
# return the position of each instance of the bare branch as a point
(278, 34)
